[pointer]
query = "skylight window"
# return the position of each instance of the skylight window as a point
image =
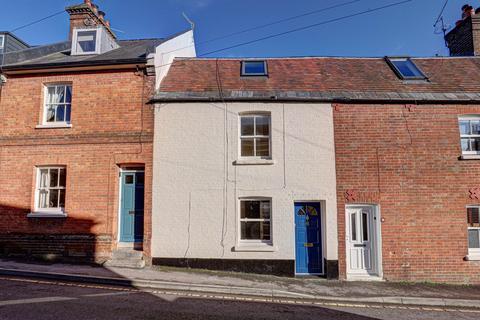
(254, 68)
(406, 69)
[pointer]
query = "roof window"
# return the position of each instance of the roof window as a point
(406, 69)
(254, 68)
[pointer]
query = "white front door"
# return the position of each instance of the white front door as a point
(362, 242)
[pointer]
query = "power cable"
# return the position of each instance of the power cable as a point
(37, 21)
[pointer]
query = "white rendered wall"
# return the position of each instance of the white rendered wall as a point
(196, 185)
(180, 46)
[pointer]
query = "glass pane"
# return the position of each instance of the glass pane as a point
(250, 209)
(51, 95)
(301, 212)
(473, 217)
(365, 226)
(407, 68)
(263, 147)
(129, 179)
(63, 178)
(50, 117)
(53, 201)
(353, 226)
(42, 198)
(254, 67)
(473, 239)
(312, 211)
(464, 127)
(60, 113)
(265, 230)
(265, 209)
(247, 148)
(68, 95)
(87, 40)
(43, 178)
(60, 94)
(247, 126)
(67, 113)
(475, 144)
(475, 125)
(62, 198)
(262, 125)
(53, 178)
(465, 144)
(251, 230)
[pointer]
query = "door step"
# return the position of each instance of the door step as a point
(126, 258)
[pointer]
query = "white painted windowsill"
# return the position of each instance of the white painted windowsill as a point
(252, 162)
(473, 257)
(47, 215)
(255, 248)
(53, 126)
(470, 156)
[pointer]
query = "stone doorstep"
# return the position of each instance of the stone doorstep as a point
(244, 291)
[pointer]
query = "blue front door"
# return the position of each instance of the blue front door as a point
(131, 210)
(308, 240)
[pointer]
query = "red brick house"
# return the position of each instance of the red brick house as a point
(407, 146)
(76, 145)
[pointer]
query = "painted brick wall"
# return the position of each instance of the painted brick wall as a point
(111, 126)
(406, 160)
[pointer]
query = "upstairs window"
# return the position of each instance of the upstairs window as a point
(470, 134)
(255, 136)
(2, 41)
(58, 104)
(85, 41)
(254, 68)
(473, 220)
(406, 69)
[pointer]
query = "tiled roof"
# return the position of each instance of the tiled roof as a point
(321, 79)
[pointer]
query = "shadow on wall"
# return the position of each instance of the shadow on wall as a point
(50, 239)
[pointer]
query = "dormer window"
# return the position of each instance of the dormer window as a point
(406, 69)
(86, 41)
(254, 68)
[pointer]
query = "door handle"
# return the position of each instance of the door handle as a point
(360, 245)
(308, 244)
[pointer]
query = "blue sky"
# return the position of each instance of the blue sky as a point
(402, 30)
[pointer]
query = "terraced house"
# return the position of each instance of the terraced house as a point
(76, 144)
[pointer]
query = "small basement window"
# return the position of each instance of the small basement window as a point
(85, 41)
(406, 69)
(254, 68)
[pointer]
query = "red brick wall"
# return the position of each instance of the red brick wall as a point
(111, 126)
(406, 160)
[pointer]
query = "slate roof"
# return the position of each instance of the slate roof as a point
(321, 79)
(58, 55)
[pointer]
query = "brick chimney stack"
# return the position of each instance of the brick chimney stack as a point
(87, 15)
(464, 39)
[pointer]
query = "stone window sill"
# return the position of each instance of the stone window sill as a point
(470, 157)
(255, 248)
(473, 257)
(47, 215)
(54, 126)
(253, 162)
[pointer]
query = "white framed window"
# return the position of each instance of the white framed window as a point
(51, 189)
(469, 134)
(58, 104)
(86, 41)
(255, 221)
(255, 136)
(473, 220)
(2, 41)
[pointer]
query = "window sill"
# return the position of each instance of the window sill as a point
(47, 215)
(54, 126)
(473, 257)
(252, 162)
(255, 248)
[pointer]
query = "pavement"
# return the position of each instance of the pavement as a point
(308, 290)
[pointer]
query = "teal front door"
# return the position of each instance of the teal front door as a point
(131, 209)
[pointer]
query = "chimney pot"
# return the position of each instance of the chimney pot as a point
(107, 23)
(101, 14)
(88, 2)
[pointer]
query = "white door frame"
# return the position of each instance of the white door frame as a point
(376, 236)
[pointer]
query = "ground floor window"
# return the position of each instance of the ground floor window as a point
(255, 220)
(473, 220)
(51, 189)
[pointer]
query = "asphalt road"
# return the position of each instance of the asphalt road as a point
(36, 299)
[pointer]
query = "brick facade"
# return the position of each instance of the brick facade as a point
(111, 126)
(406, 159)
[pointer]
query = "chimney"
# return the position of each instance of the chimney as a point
(464, 39)
(87, 15)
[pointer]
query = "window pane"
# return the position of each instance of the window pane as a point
(62, 199)
(53, 178)
(465, 144)
(263, 147)
(255, 231)
(473, 217)
(68, 95)
(60, 94)
(365, 226)
(67, 113)
(53, 201)
(51, 114)
(475, 144)
(407, 68)
(473, 239)
(464, 127)
(42, 198)
(254, 67)
(43, 178)
(353, 226)
(262, 126)
(475, 125)
(87, 40)
(250, 210)
(63, 178)
(51, 94)
(265, 230)
(60, 113)
(247, 147)
(247, 126)
(129, 179)
(265, 209)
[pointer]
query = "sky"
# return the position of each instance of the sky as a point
(406, 29)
